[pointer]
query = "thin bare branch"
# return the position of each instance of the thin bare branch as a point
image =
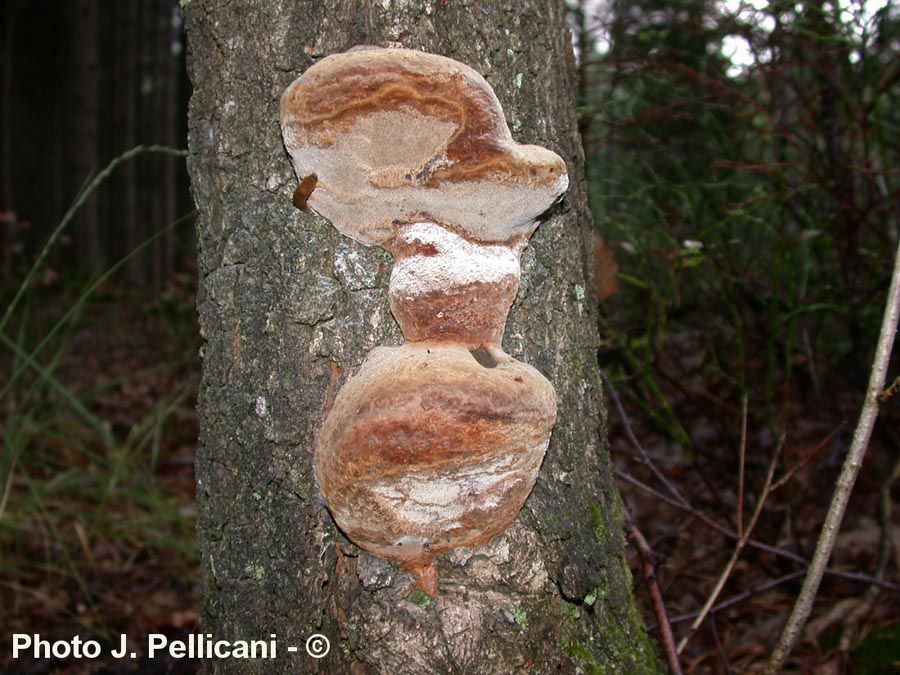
(753, 543)
(789, 474)
(739, 547)
(743, 461)
(719, 646)
(741, 597)
(648, 568)
(846, 479)
(645, 457)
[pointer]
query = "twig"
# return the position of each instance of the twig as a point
(742, 462)
(679, 501)
(889, 392)
(846, 479)
(753, 543)
(807, 458)
(659, 607)
(739, 547)
(645, 457)
(719, 645)
(741, 597)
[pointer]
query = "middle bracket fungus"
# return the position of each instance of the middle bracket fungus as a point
(437, 443)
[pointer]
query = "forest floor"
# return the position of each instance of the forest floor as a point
(97, 522)
(688, 511)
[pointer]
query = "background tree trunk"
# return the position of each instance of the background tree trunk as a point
(126, 73)
(169, 68)
(289, 308)
(164, 64)
(84, 129)
(7, 197)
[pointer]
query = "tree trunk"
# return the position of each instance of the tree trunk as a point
(7, 198)
(163, 63)
(85, 130)
(127, 73)
(289, 308)
(170, 110)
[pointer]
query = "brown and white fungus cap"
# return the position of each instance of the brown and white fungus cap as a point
(383, 128)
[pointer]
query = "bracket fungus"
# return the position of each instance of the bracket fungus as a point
(437, 443)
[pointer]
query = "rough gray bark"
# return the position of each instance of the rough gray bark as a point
(289, 308)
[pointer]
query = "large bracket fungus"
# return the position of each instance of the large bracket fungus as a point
(437, 443)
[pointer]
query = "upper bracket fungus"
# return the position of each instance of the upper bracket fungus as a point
(437, 443)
